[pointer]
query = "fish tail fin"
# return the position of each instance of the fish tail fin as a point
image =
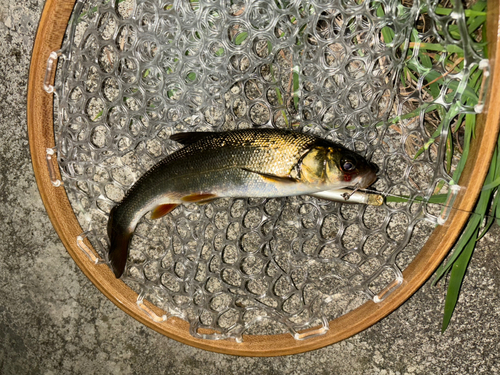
(120, 239)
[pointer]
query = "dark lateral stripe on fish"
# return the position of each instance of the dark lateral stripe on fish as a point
(162, 210)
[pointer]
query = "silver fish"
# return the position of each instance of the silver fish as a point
(241, 163)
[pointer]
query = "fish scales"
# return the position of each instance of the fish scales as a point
(227, 151)
(251, 149)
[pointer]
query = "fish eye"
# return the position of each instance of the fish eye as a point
(348, 165)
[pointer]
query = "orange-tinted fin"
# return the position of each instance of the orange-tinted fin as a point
(201, 203)
(188, 138)
(273, 178)
(199, 197)
(162, 210)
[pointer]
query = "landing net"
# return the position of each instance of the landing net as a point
(135, 72)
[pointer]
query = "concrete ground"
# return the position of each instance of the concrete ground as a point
(54, 321)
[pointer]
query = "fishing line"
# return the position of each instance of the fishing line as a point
(412, 200)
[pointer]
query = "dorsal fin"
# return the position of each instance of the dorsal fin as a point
(188, 138)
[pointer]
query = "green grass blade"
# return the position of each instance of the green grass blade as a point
(474, 223)
(476, 23)
(468, 12)
(431, 140)
(449, 151)
(98, 115)
(479, 6)
(456, 279)
(491, 218)
(240, 38)
(464, 239)
(438, 198)
(492, 184)
(470, 122)
(387, 32)
(412, 114)
(296, 92)
(496, 212)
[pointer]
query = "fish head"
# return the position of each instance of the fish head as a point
(336, 167)
(349, 168)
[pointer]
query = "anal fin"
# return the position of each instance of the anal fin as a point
(162, 210)
(206, 201)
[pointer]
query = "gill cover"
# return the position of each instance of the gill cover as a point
(327, 165)
(313, 166)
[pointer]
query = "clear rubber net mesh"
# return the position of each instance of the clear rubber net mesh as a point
(136, 72)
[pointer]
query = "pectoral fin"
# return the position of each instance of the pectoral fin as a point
(162, 210)
(199, 198)
(273, 178)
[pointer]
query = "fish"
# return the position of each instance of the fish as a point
(266, 163)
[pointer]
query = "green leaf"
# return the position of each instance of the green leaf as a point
(296, 92)
(496, 211)
(219, 52)
(425, 108)
(474, 222)
(451, 48)
(491, 219)
(171, 93)
(479, 6)
(302, 29)
(468, 12)
(470, 123)
(438, 198)
(492, 184)
(195, 5)
(278, 94)
(240, 38)
(475, 76)
(431, 140)
(98, 115)
(449, 150)
(476, 23)
(387, 32)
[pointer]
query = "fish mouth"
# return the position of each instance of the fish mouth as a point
(374, 166)
(369, 178)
